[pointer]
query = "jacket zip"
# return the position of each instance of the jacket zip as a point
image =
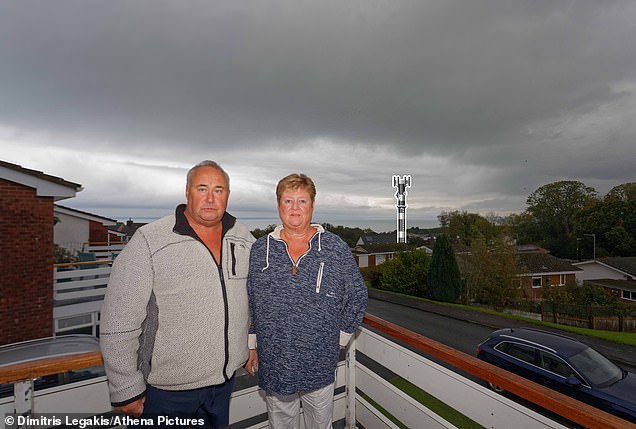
(295, 264)
(226, 309)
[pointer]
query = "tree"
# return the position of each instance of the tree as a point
(491, 273)
(461, 227)
(406, 273)
(257, 233)
(625, 192)
(612, 221)
(444, 278)
(554, 207)
(347, 234)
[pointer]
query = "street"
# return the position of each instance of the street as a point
(461, 335)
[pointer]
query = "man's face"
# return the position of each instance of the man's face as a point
(207, 197)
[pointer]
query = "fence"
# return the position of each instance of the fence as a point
(620, 318)
(363, 396)
(79, 290)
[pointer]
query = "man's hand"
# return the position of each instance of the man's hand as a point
(252, 362)
(134, 409)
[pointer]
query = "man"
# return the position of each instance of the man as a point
(175, 317)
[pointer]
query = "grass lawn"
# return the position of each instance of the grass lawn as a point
(435, 405)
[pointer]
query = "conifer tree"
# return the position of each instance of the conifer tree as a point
(444, 279)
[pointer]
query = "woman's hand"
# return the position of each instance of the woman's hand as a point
(252, 362)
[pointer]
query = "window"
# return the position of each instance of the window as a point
(519, 351)
(556, 365)
(536, 282)
(630, 295)
(596, 367)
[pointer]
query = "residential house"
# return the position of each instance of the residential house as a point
(615, 274)
(374, 249)
(27, 200)
(127, 229)
(383, 238)
(74, 229)
(541, 269)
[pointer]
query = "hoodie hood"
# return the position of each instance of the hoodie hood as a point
(275, 234)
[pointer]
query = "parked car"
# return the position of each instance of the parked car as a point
(563, 364)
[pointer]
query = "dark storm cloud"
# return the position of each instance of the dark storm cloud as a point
(482, 100)
(422, 74)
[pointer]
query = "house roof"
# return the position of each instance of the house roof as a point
(543, 263)
(626, 264)
(128, 228)
(44, 184)
(85, 215)
(384, 248)
(614, 284)
(527, 248)
(386, 238)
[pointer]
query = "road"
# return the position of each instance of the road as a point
(453, 332)
(460, 335)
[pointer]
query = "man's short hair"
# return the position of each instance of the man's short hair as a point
(207, 163)
(293, 182)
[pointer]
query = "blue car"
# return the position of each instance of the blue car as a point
(563, 364)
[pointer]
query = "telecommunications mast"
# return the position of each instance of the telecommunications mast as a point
(401, 184)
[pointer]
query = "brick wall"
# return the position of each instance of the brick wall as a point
(97, 232)
(26, 263)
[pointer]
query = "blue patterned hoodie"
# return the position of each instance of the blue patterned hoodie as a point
(302, 313)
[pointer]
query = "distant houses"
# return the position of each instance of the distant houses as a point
(540, 269)
(74, 229)
(126, 229)
(617, 275)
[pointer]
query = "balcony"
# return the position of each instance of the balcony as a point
(364, 395)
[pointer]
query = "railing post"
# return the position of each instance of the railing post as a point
(23, 394)
(350, 385)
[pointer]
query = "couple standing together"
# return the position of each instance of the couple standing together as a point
(192, 298)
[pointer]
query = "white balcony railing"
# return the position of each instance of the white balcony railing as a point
(361, 389)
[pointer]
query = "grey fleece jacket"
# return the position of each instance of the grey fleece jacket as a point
(171, 316)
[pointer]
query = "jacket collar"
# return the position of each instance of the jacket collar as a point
(182, 226)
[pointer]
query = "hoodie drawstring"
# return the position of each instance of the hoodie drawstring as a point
(266, 255)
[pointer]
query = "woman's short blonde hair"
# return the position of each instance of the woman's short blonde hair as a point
(293, 182)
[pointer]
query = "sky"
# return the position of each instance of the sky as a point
(480, 101)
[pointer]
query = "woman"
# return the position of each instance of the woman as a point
(307, 298)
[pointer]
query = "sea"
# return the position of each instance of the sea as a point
(377, 225)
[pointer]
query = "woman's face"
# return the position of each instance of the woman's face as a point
(295, 209)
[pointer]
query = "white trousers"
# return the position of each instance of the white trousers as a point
(283, 411)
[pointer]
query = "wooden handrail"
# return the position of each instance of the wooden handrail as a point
(549, 399)
(78, 264)
(563, 405)
(54, 365)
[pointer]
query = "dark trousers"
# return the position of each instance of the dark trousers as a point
(208, 406)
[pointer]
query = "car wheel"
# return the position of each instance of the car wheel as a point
(496, 388)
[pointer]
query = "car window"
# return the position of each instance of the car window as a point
(519, 351)
(555, 364)
(596, 367)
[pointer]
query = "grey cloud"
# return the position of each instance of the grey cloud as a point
(481, 101)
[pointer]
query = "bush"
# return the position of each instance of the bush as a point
(62, 255)
(406, 273)
(371, 276)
